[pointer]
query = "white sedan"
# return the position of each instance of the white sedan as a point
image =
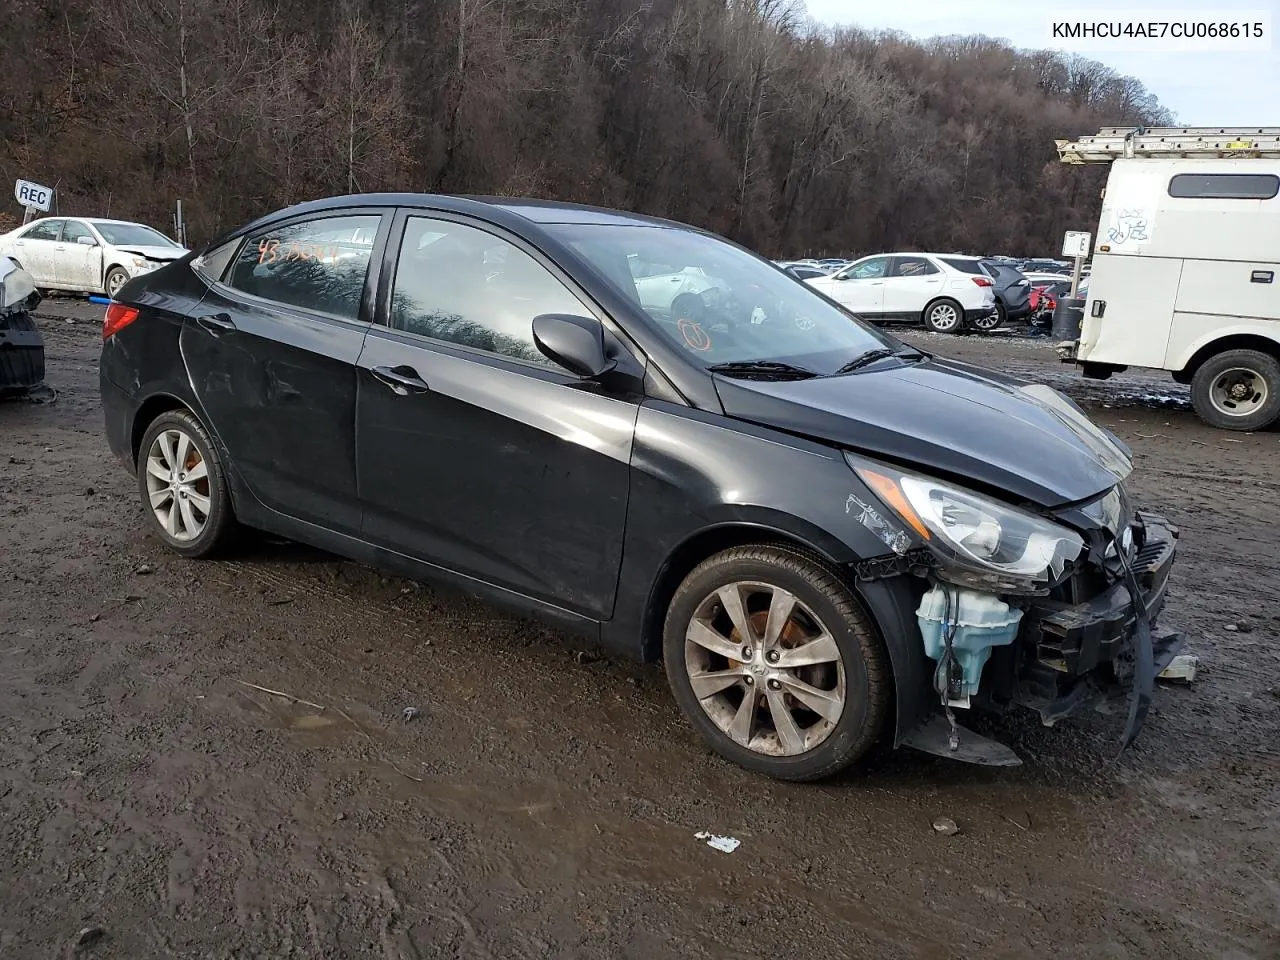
(87, 255)
(947, 292)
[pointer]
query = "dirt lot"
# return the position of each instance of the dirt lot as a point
(543, 803)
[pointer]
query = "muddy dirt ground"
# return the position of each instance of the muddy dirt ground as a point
(544, 802)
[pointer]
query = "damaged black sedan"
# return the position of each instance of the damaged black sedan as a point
(642, 432)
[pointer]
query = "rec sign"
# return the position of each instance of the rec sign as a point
(33, 195)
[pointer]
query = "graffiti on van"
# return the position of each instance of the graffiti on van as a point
(1129, 225)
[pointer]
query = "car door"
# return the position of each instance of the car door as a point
(36, 249)
(475, 453)
(271, 355)
(859, 286)
(912, 282)
(78, 265)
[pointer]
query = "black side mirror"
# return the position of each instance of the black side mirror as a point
(576, 343)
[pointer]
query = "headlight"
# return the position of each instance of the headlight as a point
(142, 264)
(979, 542)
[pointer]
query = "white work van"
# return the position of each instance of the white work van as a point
(1185, 265)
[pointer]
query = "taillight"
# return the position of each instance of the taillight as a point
(982, 281)
(118, 317)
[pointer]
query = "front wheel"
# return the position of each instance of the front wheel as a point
(944, 316)
(116, 278)
(1237, 390)
(774, 663)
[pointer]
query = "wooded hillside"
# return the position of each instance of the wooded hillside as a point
(738, 115)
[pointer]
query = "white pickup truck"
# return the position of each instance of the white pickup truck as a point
(1185, 265)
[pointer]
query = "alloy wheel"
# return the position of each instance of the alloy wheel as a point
(765, 669)
(943, 317)
(114, 282)
(178, 485)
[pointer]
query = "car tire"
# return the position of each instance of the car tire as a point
(987, 324)
(850, 665)
(1237, 390)
(688, 306)
(115, 279)
(944, 316)
(196, 520)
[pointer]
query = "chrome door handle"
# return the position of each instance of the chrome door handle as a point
(402, 380)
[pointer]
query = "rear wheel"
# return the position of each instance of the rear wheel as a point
(183, 486)
(944, 316)
(774, 663)
(992, 322)
(1237, 390)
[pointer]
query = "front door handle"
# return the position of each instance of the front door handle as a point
(402, 380)
(217, 323)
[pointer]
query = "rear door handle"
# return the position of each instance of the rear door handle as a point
(402, 380)
(217, 323)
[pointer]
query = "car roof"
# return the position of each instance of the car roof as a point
(123, 223)
(528, 209)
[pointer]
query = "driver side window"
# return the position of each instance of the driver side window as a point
(73, 231)
(872, 269)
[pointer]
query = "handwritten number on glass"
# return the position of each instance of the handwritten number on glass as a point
(273, 251)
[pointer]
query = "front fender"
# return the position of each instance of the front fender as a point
(701, 482)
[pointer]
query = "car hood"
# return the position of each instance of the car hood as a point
(153, 253)
(943, 417)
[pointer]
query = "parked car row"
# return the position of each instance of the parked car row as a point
(944, 292)
(87, 255)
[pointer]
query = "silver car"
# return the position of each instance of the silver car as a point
(79, 254)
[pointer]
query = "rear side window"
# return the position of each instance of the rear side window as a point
(213, 265)
(965, 266)
(912, 267)
(44, 231)
(316, 265)
(1225, 186)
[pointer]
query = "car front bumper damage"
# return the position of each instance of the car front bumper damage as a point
(1068, 657)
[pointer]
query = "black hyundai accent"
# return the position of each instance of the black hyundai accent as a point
(641, 431)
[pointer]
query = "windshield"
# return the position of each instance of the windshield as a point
(132, 235)
(719, 303)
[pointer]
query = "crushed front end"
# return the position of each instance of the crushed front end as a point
(1095, 635)
(1053, 610)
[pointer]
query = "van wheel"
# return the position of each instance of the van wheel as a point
(1237, 390)
(183, 486)
(944, 316)
(774, 663)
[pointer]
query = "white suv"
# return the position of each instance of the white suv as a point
(947, 293)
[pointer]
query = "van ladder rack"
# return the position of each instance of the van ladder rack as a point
(1112, 143)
